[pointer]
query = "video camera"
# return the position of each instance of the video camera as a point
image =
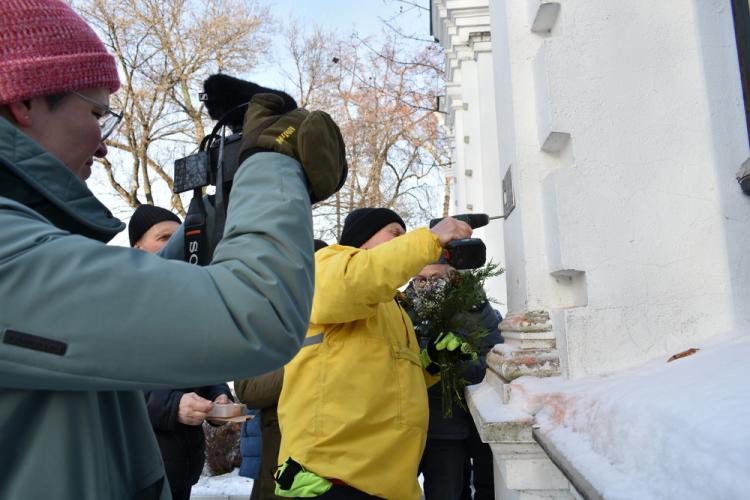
(226, 98)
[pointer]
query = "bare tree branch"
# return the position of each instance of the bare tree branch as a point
(384, 106)
(165, 50)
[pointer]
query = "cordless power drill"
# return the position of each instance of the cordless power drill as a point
(468, 253)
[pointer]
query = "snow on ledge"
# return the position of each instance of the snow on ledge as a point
(664, 430)
(485, 398)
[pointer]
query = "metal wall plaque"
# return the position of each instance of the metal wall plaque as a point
(509, 199)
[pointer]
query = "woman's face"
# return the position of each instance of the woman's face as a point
(70, 130)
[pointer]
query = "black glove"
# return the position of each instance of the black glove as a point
(312, 138)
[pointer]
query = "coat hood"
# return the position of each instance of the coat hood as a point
(34, 177)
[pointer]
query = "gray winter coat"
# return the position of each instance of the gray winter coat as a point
(85, 326)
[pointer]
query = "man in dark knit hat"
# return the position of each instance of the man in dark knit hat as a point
(151, 227)
(353, 408)
(363, 223)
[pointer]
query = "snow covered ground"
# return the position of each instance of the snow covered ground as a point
(224, 485)
(665, 430)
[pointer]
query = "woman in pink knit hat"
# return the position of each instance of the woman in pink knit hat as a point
(85, 327)
(55, 80)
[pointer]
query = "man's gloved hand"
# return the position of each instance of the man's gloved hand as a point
(447, 342)
(312, 138)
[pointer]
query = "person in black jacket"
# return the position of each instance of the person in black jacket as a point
(176, 415)
(453, 452)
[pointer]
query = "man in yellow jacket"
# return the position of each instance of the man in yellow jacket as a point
(353, 409)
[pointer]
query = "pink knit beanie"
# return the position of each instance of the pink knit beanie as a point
(46, 48)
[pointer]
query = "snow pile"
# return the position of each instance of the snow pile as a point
(665, 430)
(225, 484)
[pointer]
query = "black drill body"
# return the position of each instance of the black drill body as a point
(468, 253)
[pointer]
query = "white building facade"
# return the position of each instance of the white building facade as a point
(618, 128)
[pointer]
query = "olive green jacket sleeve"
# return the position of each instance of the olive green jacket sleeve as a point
(262, 391)
(76, 314)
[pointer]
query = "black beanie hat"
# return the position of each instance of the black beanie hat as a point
(318, 244)
(146, 216)
(361, 224)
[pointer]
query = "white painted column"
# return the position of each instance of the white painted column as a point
(463, 28)
(486, 179)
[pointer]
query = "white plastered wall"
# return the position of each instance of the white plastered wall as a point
(632, 233)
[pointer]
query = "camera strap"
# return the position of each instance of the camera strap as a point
(197, 250)
(220, 207)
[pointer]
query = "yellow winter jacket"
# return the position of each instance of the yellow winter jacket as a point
(354, 402)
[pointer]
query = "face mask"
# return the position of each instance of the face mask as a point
(426, 295)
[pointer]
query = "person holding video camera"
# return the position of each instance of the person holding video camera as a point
(85, 327)
(353, 406)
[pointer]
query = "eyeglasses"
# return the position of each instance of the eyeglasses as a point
(425, 280)
(433, 280)
(108, 120)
